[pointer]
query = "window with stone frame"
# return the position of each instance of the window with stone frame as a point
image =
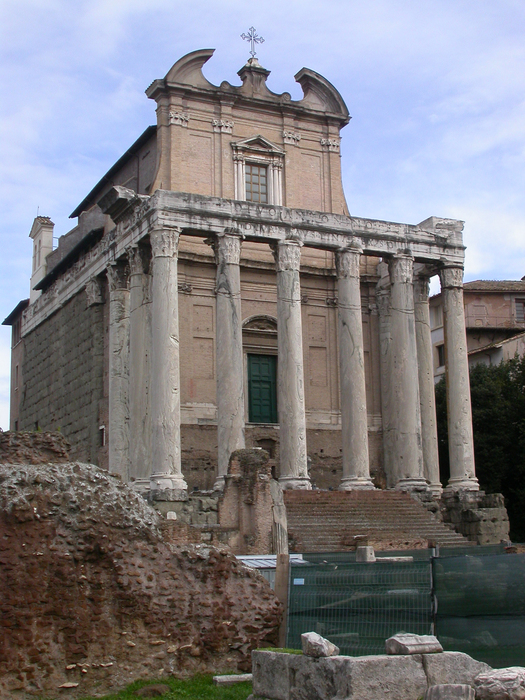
(441, 355)
(258, 170)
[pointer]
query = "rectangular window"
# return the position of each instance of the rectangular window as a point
(256, 183)
(520, 310)
(16, 377)
(441, 355)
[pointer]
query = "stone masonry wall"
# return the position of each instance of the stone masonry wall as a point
(63, 376)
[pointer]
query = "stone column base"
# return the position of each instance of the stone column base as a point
(412, 484)
(140, 485)
(435, 489)
(219, 483)
(356, 483)
(298, 483)
(167, 487)
(464, 484)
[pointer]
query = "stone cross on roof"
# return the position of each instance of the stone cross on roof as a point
(253, 39)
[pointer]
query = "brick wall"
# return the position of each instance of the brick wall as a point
(63, 377)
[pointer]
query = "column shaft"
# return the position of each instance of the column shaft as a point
(166, 475)
(407, 458)
(290, 374)
(459, 411)
(385, 367)
(139, 380)
(118, 370)
(427, 398)
(229, 353)
(354, 419)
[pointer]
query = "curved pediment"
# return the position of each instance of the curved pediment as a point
(260, 323)
(319, 93)
(188, 69)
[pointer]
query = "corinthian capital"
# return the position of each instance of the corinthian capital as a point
(118, 275)
(164, 242)
(347, 261)
(287, 255)
(401, 269)
(228, 249)
(451, 277)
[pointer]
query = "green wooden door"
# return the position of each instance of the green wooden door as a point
(262, 392)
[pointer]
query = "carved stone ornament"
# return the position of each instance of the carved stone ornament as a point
(94, 292)
(185, 287)
(164, 242)
(228, 249)
(347, 262)
(287, 255)
(118, 276)
(331, 301)
(421, 288)
(401, 269)
(331, 144)
(136, 261)
(451, 277)
(222, 125)
(179, 118)
(291, 137)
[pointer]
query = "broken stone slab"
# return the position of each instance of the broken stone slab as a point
(501, 684)
(232, 678)
(450, 691)
(315, 645)
(413, 644)
(365, 553)
(453, 667)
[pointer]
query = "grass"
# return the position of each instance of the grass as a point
(282, 650)
(197, 688)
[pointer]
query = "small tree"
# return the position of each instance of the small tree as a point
(498, 417)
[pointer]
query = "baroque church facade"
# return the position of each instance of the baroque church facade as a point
(216, 294)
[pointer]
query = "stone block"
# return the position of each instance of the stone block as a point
(450, 691)
(364, 554)
(501, 684)
(412, 644)
(452, 667)
(315, 645)
(232, 679)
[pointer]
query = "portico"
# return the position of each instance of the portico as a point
(410, 254)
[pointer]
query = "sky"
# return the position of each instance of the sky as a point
(436, 90)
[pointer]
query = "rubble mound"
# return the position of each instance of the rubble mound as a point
(26, 447)
(92, 597)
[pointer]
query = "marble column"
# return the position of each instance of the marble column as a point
(354, 419)
(290, 374)
(166, 480)
(407, 457)
(459, 411)
(139, 361)
(385, 368)
(425, 367)
(228, 352)
(118, 439)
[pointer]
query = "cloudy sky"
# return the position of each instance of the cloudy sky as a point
(436, 89)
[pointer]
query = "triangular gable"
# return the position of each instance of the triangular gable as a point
(257, 143)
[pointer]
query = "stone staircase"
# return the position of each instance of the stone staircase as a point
(328, 521)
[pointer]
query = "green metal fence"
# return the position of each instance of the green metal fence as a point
(481, 606)
(358, 606)
(474, 602)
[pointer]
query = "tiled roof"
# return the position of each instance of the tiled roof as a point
(495, 286)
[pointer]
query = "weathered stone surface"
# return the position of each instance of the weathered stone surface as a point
(232, 679)
(452, 667)
(33, 448)
(315, 645)
(412, 644)
(90, 593)
(450, 691)
(501, 684)
(297, 677)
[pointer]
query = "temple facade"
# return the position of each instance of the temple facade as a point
(216, 294)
